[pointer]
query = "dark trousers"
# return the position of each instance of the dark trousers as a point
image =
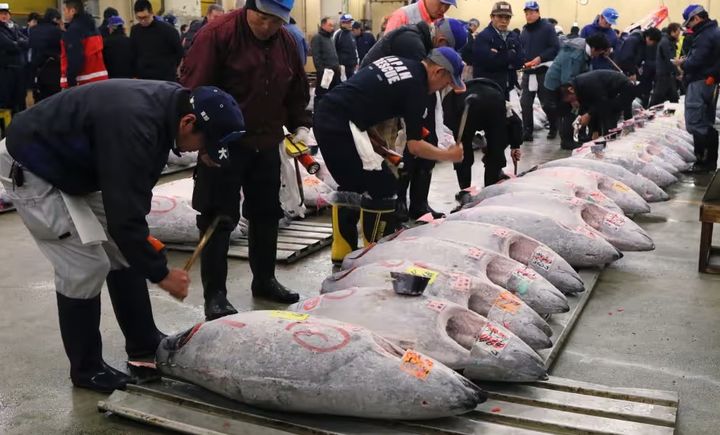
(665, 89)
(338, 149)
(527, 99)
(12, 88)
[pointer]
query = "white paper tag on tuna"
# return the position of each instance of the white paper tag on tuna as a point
(542, 258)
(328, 76)
(613, 221)
(491, 340)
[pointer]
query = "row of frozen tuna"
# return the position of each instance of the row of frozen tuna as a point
(493, 271)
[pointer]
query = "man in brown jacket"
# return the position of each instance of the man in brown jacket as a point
(248, 54)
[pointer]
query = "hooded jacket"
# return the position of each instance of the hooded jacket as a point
(413, 41)
(704, 53)
(570, 62)
(81, 57)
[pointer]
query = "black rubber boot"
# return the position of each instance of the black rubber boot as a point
(262, 240)
(401, 208)
(213, 273)
(377, 218)
(80, 331)
(712, 150)
(131, 302)
(345, 233)
(419, 191)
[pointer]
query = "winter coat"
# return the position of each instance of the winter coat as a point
(570, 62)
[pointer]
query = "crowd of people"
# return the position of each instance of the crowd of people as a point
(230, 84)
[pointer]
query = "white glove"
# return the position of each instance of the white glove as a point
(302, 134)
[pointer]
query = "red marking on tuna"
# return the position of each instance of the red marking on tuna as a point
(312, 303)
(189, 335)
(233, 323)
(475, 253)
(460, 282)
(527, 273)
(436, 305)
(162, 204)
(621, 310)
(492, 339)
(610, 313)
(496, 409)
(501, 232)
(342, 294)
(391, 263)
(319, 337)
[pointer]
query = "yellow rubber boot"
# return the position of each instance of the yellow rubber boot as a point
(345, 233)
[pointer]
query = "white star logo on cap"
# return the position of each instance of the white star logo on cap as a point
(222, 153)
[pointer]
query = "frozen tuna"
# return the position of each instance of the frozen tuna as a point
(617, 229)
(290, 362)
(475, 260)
(577, 245)
(507, 242)
(445, 331)
(648, 190)
(472, 291)
(638, 163)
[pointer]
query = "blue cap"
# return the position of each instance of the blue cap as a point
(533, 6)
(278, 8)
(454, 32)
(449, 2)
(449, 59)
(611, 15)
(346, 18)
(220, 120)
(115, 21)
(690, 12)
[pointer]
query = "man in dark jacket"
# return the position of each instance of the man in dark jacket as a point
(540, 45)
(45, 61)
(81, 59)
(390, 87)
(601, 96)
(249, 54)
(213, 11)
(13, 45)
(80, 169)
(603, 25)
(488, 113)
(117, 51)
(636, 57)
(496, 51)
(345, 46)
(702, 74)
(156, 45)
(415, 41)
(364, 40)
(325, 59)
(665, 88)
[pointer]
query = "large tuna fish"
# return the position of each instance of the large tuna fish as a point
(448, 332)
(617, 229)
(503, 271)
(671, 160)
(290, 362)
(592, 182)
(507, 242)
(648, 190)
(643, 164)
(669, 140)
(543, 185)
(472, 291)
(578, 246)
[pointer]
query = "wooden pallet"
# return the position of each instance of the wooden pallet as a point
(295, 241)
(554, 406)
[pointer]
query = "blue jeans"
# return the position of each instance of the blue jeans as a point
(700, 102)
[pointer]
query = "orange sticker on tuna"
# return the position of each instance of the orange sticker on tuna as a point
(416, 365)
(508, 302)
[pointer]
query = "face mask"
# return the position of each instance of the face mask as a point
(588, 51)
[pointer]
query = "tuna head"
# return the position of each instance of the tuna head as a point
(619, 230)
(441, 329)
(292, 362)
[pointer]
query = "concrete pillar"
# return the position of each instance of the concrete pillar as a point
(184, 10)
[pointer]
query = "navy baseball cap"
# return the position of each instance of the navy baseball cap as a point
(533, 6)
(690, 12)
(611, 15)
(115, 21)
(278, 8)
(220, 120)
(450, 60)
(454, 32)
(449, 2)
(346, 18)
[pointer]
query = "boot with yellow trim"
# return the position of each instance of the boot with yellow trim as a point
(378, 218)
(345, 232)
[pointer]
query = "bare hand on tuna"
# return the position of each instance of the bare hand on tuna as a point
(176, 283)
(455, 153)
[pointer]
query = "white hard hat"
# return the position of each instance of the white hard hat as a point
(4, 6)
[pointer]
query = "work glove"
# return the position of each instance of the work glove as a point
(302, 134)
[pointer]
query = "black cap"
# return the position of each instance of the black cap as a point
(219, 118)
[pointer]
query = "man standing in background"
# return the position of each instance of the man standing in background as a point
(540, 45)
(81, 58)
(213, 11)
(345, 46)
(421, 10)
(12, 46)
(603, 25)
(496, 51)
(325, 59)
(666, 72)
(364, 40)
(156, 44)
